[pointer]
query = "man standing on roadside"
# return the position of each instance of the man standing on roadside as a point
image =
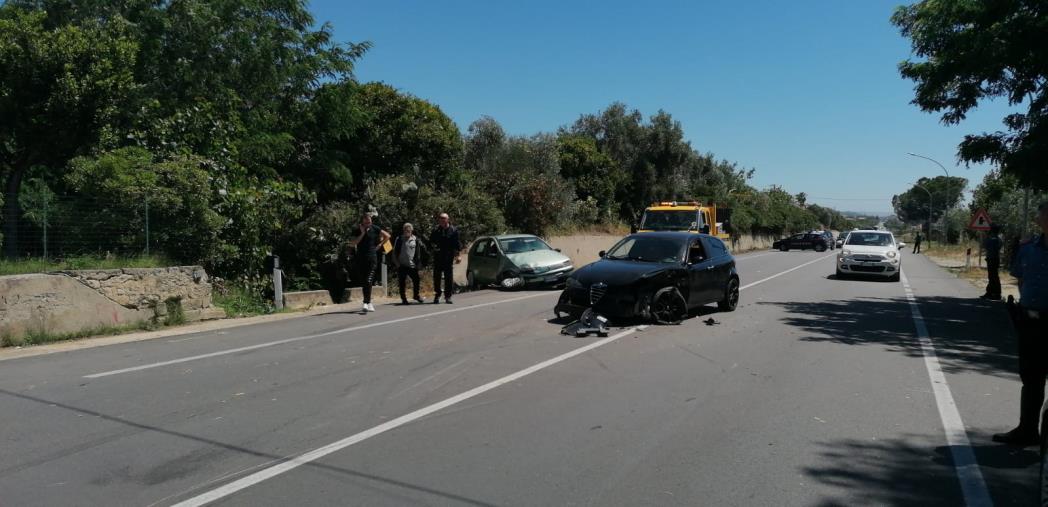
(445, 241)
(407, 255)
(1031, 324)
(992, 246)
(369, 241)
(917, 243)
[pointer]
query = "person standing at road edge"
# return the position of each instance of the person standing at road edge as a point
(917, 243)
(407, 256)
(992, 246)
(369, 241)
(446, 246)
(1031, 324)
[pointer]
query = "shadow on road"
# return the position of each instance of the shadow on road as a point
(152, 477)
(918, 470)
(969, 334)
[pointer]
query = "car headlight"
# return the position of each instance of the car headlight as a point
(891, 255)
(846, 253)
(527, 268)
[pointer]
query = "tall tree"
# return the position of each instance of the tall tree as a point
(972, 51)
(62, 91)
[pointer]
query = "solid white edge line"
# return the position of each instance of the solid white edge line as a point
(316, 454)
(973, 487)
(309, 337)
(305, 458)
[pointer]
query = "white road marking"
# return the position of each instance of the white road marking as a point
(972, 484)
(747, 257)
(310, 456)
(316, 454)
(784, 272)
(309, 337)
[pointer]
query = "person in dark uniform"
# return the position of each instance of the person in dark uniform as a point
(917, 243)
(992, 247)
(1031, 324)
(446, 247)
(407, 256)
(368, 242)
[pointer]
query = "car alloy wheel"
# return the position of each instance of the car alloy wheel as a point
(668, 306)
(784, 248)
(731, 296)
(820, 248)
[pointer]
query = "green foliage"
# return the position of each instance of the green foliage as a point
(915, 205)
(36, 265)
(244, 297)
(976, 51)
(176, 191)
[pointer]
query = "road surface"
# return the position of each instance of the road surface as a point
(816, 391)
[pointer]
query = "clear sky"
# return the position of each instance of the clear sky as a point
(807, 93)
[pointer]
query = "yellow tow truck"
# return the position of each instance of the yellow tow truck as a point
(686, 216)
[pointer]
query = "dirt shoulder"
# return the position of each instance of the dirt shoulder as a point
(975, 273)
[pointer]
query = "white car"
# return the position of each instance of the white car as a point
(873, 253)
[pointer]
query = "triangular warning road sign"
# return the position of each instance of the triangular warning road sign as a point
(980, 221)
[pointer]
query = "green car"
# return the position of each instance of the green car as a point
(513, 261)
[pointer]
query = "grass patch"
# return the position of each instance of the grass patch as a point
(240, 301)
(40, 337)
(24, 266)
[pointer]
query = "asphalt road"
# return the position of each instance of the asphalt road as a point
(816, 391)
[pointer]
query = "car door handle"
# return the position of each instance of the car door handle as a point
(709, 268)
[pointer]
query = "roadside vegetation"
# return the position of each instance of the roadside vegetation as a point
(38, 265)
(218, 136)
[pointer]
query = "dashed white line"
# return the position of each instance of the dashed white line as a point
(316, 454)
(309, 337)
(310, 456)
(972, 484)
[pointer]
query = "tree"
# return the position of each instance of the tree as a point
(973, 51)
(62, 91)
(914, 205)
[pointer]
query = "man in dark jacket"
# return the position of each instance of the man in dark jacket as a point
(407, 257)
(446, 246)
(992, 246)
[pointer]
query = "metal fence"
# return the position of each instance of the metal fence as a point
(56, 226)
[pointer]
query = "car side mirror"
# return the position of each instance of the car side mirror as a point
(601, 254)
(901, 245)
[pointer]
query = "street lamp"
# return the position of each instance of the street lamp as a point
(946, 208)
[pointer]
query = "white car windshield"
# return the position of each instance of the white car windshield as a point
(869, 239)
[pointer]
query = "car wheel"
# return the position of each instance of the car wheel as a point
(471, 281)
(820, 248)
(731, 296)
(667, 306)
(784, 248)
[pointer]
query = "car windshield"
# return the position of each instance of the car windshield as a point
(681, 220)
(646, 249)
(522, 245)
(869, 239)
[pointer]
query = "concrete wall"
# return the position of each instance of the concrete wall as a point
(73, 301)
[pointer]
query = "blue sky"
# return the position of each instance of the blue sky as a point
(807, 93)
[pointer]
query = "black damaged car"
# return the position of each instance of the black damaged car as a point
(659, 276)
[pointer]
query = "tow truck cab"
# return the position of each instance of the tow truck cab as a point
(686, 216)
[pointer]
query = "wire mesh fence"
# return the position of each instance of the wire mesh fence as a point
(54, 226)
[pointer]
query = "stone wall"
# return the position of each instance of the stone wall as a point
(73, 301)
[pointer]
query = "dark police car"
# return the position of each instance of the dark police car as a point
(655, 275)
(817, 241)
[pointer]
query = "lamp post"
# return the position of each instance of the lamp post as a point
(930, 209)
(948, 205)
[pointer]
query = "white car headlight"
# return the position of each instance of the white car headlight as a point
(846, 253)
(892, 254)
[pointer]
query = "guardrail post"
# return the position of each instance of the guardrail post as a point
(278, 284)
